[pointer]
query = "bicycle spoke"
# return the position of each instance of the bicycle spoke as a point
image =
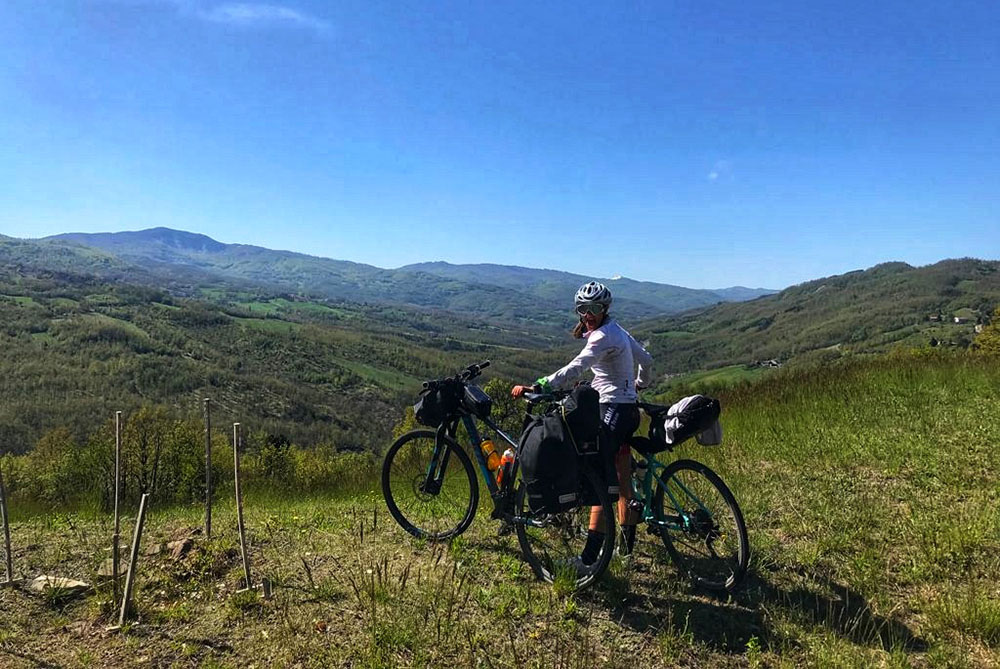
(707, 538)
(442, 508)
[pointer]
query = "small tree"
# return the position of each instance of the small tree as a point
(988, 341)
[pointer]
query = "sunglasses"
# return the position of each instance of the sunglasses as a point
(594, 309)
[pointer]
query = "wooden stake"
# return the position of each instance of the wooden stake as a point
(116, 537)
(6, 531)
(237, 444)
(133, 561)
(208, 469)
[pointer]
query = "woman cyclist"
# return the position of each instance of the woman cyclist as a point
(612, 354)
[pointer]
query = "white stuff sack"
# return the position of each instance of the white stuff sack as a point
(673, 427)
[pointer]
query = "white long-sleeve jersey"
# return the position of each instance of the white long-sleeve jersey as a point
(611, 353)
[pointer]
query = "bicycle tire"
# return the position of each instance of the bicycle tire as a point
(703, 565)
(420, 513)
(569, 528)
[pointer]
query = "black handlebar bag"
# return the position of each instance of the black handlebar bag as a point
(436, 404)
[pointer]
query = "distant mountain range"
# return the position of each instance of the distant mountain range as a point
(493, 292)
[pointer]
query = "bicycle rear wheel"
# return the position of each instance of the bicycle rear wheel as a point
(701, 525)
(444, 511)
(553, 543)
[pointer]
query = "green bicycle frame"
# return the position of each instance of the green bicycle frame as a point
(678, 522)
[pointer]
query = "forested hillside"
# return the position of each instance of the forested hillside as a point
(867, 311)
(73, 349)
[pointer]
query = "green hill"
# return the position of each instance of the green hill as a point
(73, 349)
(491, 292)
(867, 311)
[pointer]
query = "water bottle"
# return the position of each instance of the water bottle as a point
(638, 478)
(490, 453)
(506, 462)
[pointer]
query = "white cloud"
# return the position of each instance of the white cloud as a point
(722, 168)
(260, 14)
(246, 14)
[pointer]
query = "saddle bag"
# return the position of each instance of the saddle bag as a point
(695, 416)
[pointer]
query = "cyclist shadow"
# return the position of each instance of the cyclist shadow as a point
(728, 624)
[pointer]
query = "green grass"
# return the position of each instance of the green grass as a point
(268, 324)
(869, 491)
(720, 377)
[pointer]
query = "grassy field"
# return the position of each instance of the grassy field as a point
(870, 493)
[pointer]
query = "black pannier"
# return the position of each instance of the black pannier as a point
(582, 413)
(548, 464)
(477, 402)
(696, 415)
(436, 404)
(557, 448)
(581, 410)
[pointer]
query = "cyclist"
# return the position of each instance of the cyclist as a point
(612, 353)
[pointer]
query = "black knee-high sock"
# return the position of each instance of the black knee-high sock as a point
(594, 542)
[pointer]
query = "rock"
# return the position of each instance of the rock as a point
(182, 533)
(154, 549)
(107, 569)
(180, 548)
(67, 587)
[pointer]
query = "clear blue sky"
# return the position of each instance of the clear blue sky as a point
(700, 143)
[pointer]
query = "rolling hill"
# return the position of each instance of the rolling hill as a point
(492, 292)
(867, 311)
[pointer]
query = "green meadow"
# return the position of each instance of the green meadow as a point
(870, 490)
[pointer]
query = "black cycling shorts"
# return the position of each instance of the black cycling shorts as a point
(621, 420)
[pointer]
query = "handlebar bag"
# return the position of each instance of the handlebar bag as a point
(435, 405)
(549, 465)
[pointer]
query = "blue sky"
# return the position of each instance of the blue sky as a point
(704, 144)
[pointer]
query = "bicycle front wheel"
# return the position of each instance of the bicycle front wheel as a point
(553, 543)
(441, 510)
(701, 525)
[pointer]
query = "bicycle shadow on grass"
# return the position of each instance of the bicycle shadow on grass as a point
(727, 624)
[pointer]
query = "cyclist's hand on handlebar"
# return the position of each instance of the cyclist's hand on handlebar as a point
(518, 391)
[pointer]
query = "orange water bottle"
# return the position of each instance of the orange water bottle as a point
(506, 462)
(490, 453)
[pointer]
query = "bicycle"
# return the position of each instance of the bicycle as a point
(431, 490)
(693, 512)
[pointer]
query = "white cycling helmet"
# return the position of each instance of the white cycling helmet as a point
(593, 292)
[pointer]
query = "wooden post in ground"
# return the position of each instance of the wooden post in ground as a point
(237, 443)
(134, 558)
(9, 562)
(208, 469)
(116, 537)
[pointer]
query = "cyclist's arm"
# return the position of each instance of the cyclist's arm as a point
(590, 354)
(645, 374)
